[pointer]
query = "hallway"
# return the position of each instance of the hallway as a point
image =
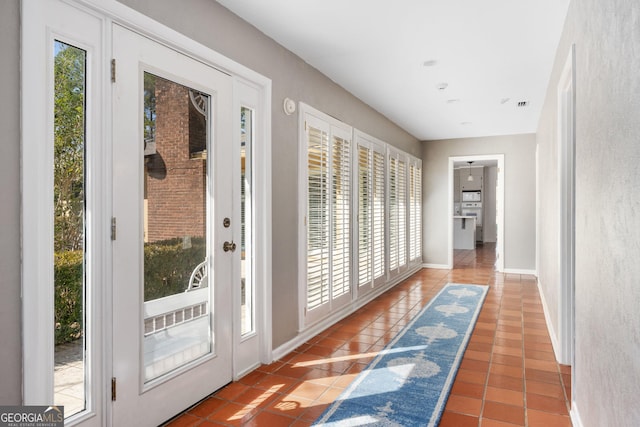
(508, 376)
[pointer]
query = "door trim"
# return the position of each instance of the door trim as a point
(248, 94)
(500, 204)
(567, 215)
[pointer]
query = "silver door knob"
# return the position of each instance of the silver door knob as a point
(229, 246)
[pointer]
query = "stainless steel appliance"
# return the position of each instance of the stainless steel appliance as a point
(472, 196)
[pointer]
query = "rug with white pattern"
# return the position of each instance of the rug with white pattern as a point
(408, 383)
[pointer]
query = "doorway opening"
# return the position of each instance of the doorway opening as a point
(476, 204)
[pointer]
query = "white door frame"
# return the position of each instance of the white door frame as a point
(36, 277)
(499, 205)
(566, 181)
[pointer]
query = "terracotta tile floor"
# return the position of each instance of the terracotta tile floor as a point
(508, 376)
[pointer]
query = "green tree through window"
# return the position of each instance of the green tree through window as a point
(69, 140)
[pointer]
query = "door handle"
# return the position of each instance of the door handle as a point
(229, 246)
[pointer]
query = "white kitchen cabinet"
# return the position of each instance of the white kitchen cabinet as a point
(476, 184)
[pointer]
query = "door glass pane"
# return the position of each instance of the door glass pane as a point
(177, 306)
(69, 227)
(246, 212)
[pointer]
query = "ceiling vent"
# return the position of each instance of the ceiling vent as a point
(523, 103)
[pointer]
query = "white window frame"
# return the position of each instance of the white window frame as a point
(312, 321)
(374, 145)
(308, 116)
(401, 268)
(416, 190)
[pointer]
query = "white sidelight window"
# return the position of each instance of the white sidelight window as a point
(327, 214)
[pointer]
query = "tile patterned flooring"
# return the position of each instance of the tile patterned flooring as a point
(508, 376)
(68, 377)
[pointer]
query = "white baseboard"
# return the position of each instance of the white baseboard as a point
(520, 271)
(436, 266)
(310, 332)
(552, 333)
(575, 415)
(246, 371)
(305, 335)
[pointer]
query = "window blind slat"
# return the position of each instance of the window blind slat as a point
(328, 215)
(415, 212)
(393, 213)
(378, 208)
(317, 218)
(365, 220)
(402, 213)
(341, 216)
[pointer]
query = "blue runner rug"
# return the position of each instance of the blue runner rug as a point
(408, 383)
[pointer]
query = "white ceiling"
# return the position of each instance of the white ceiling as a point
(486, 51)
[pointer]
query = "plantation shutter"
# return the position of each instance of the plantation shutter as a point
(393, 213)
(340, 215)
(365, 216)
(415, 214)
(317, 217)
(371, 210)
(378, 235)
(379, 181)
(418, 232)
(412, 213)
(327, 216)
(402, 213)
(398, 211)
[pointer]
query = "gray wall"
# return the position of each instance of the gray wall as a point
(489, 204)
(519, 178)
(10, 333)
(211, 24)
(607, 341)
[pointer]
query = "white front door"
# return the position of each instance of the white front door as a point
(173, 246)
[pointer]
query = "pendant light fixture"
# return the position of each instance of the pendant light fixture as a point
(470, 177)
